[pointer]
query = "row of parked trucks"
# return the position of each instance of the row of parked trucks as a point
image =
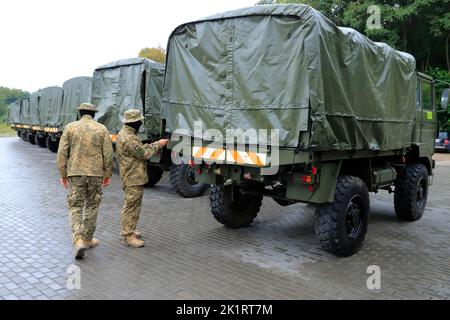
(351, 116)
(131, 83)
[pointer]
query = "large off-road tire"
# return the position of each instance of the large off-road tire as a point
(31, 138)
(40, 141)
(182, 178)
(154, 174)
(52, 145)
(232, 208)
(411, 192)
(342, 225)
(19, 133)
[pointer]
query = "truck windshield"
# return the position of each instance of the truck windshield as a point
(443, 135)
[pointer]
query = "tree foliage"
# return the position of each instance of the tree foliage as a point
(420, 27)
(443, 78)
(157, 54)
(8, 96)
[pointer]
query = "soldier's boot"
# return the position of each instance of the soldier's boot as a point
(133, 242)
(80, 249)
(93, 243)
(138, 234)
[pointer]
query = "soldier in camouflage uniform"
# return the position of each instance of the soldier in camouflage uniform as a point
(133, 156)
(85, 161)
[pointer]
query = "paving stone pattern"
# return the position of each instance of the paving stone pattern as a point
(188, 255)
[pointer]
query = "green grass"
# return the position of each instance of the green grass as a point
(6, 131)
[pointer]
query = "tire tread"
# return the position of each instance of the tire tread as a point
(327, 218)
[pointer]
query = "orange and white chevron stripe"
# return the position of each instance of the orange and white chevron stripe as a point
(230, 156)
(208, 153)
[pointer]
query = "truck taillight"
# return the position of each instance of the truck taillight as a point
(306, 179)
(446, 142)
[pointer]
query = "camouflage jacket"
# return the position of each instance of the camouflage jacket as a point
(133, 156)
(85, 149)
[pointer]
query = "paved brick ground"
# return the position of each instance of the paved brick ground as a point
(190, 256)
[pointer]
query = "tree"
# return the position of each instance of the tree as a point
(444, 82)
(414, 26)
(420, 27)
(8, 96)
(157, 54)
(440, 27)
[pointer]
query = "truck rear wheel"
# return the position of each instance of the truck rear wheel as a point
(52, 145)
(40, 141)
(154, 174)
(19, 133)
(182, 178)
(232, 208)
(342, 225)
(411, 192)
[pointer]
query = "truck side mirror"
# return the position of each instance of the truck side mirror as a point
(444, 99)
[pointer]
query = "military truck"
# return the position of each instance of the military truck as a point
(345, 116)
(137, 83)
(13, 116)
(22, 126)
(74, 92)
(50, 101)
(31, 116)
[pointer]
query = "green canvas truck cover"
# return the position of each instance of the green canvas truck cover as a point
(14, 113)
(129, 84)
(25, 111)
(50, 103)
(290, 68)
(33, 115)
(76, 91)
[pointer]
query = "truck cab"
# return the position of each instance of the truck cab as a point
(426, 119)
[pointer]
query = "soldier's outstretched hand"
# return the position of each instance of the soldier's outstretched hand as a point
(163, 142)
(106, 182)
(64, 182)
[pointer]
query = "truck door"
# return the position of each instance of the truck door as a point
(428, 117)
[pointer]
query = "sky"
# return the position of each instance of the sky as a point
(46, 42)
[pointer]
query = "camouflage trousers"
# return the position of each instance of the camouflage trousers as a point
(84, 200)
(131, 209)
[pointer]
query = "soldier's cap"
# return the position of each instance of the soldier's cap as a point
(87, 107)
(132, 115)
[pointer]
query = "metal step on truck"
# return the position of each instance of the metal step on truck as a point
(277, 101)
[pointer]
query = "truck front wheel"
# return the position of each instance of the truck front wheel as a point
(232, 208)
(342, 225)
(411, 192)
(24, 135)
(182, 178)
